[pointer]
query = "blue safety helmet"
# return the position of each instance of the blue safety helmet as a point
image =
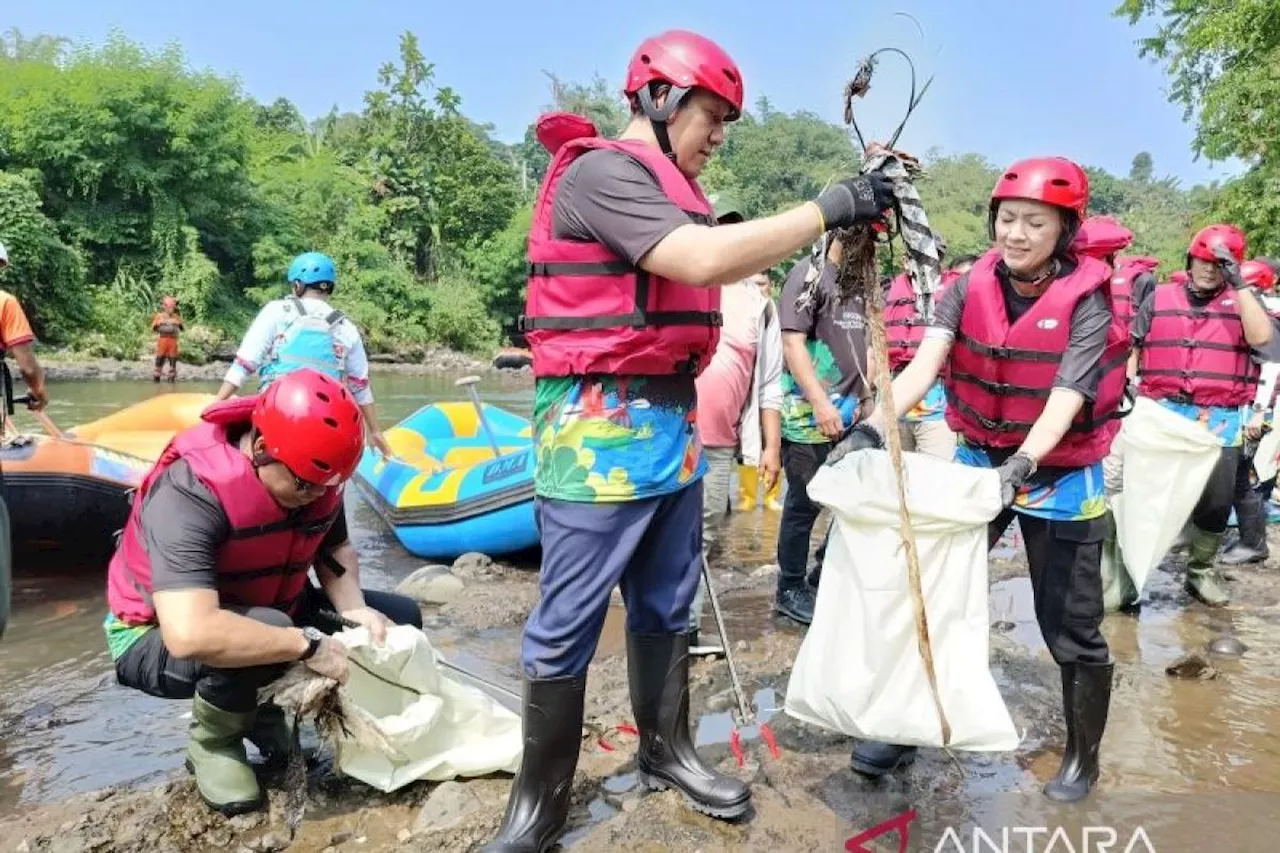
(312, 269)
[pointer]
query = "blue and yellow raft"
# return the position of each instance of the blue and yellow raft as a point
(444, 493)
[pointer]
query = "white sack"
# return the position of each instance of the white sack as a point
(859, 671)
(1168, 459)
(450, 730)
(1264, 461)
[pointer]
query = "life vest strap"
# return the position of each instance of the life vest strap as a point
(1008, 353)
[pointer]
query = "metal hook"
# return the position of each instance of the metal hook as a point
(861, 83)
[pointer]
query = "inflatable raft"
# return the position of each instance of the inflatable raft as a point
(444, 492)
(71, 493)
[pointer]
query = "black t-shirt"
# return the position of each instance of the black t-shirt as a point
(1145, 314)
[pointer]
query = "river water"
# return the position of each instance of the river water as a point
(64, 725)
(1201, 753)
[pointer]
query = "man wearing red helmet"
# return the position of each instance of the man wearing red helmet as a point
(1250, 545)
(1212, 382)
(626, 261)
(1035, 371)
(208, 589)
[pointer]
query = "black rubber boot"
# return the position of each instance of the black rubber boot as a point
(538, 806)
(1251, 547)
(1086, 697)
(658, 668)
(874, 759)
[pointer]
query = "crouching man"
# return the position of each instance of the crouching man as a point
(215, 556)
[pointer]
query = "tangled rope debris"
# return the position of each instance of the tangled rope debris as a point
(303, 693)
(858, 274)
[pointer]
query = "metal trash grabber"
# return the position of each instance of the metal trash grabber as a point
(745, 716)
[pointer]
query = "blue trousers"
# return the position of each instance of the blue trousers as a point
(652, 547)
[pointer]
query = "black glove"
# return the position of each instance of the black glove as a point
(1013, 474)
(1229, 265)
(865, 198)
(862, 437)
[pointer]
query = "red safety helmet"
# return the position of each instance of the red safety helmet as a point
(312, 425)
(169, 303)
(1052, 180)
(684, 60)
(1202, 245)
(1258, 274)
(1101, 237)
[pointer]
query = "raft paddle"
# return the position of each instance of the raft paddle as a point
(469, 382)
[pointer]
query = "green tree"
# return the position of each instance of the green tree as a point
(44, 273)
(1142, 169)
(1223, 62)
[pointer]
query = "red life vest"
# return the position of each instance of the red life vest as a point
(263, 562)
(589, 311)
(903, 325)
(1122, 281)
(1001, 375)
(1197, 355)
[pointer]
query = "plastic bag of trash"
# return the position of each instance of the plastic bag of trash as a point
(1168, 459)
(428, 726)
(859, 671)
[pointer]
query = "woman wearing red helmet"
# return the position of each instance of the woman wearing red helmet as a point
(1035, 370)
(208, 588)
(622, 314)
(1213, 381)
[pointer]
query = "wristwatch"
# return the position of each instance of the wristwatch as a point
(314, 636)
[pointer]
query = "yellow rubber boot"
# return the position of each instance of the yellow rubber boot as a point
(773, 500)
(748, 487)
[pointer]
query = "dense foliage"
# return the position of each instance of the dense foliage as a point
(125, 176)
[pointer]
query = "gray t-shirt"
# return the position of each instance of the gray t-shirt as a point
(611, 198)
(835, 333)
(184, 527)
(1081, 367)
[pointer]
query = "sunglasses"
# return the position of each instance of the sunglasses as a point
(305, 486)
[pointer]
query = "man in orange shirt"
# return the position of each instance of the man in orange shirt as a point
(166, 324)
(16, 339)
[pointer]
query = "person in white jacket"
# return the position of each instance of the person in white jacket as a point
(739, 405)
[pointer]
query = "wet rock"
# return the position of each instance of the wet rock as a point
(219, 837)
(1227, 646)
(450, 805)
(272, 841)
(432, 584)
(1191, 666)
(473, 565)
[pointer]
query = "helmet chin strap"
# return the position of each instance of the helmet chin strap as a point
(659, 116)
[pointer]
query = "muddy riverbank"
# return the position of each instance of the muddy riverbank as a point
(1182, 758)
